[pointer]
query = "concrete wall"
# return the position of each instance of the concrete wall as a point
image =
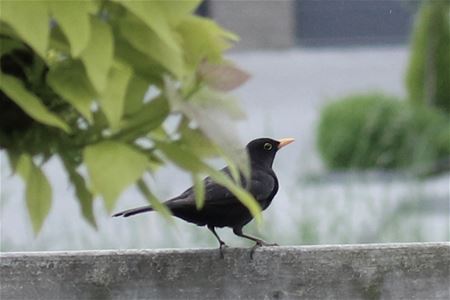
(259, 23)
(390, 271)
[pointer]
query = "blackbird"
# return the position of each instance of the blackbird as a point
(221, 208)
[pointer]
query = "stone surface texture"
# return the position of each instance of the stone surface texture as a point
(372, 271)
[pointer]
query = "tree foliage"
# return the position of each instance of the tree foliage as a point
(428, 75)
(93, 83)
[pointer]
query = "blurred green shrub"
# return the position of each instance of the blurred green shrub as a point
(428, 75)
(378, 131)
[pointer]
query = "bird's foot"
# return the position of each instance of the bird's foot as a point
(268, 244)
(260, 243)
(221, 248)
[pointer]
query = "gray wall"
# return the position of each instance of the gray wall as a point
(259, 23)
(389, 271)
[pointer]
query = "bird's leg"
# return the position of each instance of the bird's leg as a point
(238, 231)
(259, 242)
(221, 243)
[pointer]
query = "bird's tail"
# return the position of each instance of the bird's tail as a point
(133, 211)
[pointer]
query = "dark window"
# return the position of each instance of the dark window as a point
(353, 22)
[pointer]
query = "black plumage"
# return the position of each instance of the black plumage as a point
(221, 208)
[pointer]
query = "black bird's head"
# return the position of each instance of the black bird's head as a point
(262, 151)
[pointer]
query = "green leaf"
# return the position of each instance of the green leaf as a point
(112, 167)
(38, 191)
(7, 31)
(151, 115)
(203, 38)
(113, 99)
(73, 17)
(137, 88)
(70, 82)
(13, 159)
(30, 19)
(176, 10)
(30, 103)
(210, 120)
(197, 141)
(153, 16)
(98, 55)
(199, 190)
(146, 41)
(142, 64)
(84, 196)
(154, 201)
(59, 46)
(23, 166)
(181, 157)
(234, 169)
(8, 45)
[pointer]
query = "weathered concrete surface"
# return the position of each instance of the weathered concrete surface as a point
(389, 271)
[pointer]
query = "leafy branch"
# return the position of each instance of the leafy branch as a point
(95, 81)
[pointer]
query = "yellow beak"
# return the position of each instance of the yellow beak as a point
(284, 142)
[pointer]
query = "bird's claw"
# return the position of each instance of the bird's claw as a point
(252, 251)
(221, 247)
(268, 244)
(258, 244)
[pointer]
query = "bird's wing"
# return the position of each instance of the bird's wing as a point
(262, 186)
(214, 195)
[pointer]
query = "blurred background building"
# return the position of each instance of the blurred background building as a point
(287, 23)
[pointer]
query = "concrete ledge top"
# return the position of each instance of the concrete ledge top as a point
(168, 251)
(368, 271)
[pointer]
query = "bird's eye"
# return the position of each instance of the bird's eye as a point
(268, 146)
